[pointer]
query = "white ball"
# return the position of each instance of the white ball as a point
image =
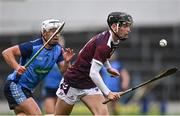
(163, 43)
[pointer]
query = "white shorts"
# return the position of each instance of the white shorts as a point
(71, 95)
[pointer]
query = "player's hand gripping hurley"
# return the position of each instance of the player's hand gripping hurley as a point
(58, 30)
(165, 73)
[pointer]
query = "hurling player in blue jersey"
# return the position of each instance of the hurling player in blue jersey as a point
(82, 81)
(50, 86)
(21, 83)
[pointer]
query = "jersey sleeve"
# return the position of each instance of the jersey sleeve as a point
(60, 58)
(26, 49)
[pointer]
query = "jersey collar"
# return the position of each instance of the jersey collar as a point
(110, 40)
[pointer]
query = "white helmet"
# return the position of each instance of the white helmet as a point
(50, 24)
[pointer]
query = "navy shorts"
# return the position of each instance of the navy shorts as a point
(15, 94)
(49, 92)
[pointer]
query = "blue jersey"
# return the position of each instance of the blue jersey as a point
(113, 83)
(53, 78)
(40, 66)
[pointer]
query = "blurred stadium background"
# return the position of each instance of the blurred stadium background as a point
(153, 20)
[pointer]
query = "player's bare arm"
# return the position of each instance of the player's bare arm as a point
(9, 55)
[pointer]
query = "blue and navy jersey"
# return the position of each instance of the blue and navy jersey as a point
(113, 83)
(53, 78)
(40, 66)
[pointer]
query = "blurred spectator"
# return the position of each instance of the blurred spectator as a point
(115, 83)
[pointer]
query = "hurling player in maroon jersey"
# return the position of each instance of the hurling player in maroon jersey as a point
(83, 80)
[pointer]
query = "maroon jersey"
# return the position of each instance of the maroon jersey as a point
(96, 48)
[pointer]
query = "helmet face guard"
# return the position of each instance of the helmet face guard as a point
(119, 18)
(49, 24)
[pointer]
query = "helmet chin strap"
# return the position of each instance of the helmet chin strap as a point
(117, 27)
(121, 39)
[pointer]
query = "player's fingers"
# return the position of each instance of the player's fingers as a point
(70, 50)
(72, 55)
(67, 49)
(21, 70)
(119, 74)
(118, 95)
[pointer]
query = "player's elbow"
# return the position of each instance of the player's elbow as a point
(7, 54)
(4, 53)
